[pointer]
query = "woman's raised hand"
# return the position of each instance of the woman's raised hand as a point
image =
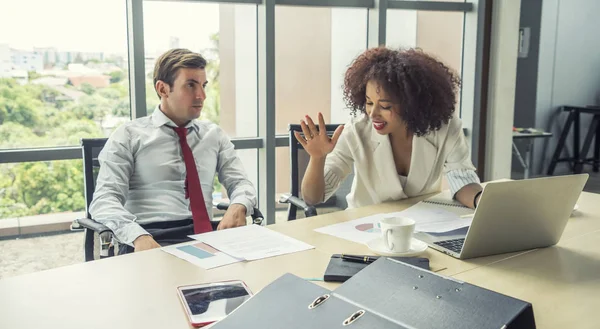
(315, 141)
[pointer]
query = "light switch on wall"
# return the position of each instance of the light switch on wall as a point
(524, 36)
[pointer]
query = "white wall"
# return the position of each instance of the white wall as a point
(569, 68)
(246, 103)
(348, 40)
(501, 97)
(245, 71)
(467, 97)
(401, 28)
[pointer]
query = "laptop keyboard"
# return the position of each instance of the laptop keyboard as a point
(453, 245)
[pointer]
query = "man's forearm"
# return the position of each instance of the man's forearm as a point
(244, 195)
(111, 213)
(237, 209)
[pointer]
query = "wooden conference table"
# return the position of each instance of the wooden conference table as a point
(139, 290)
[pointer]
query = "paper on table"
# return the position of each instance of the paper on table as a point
(200, 254)
(252, 242)
(429, 218)
(434, 219)
(444, 200)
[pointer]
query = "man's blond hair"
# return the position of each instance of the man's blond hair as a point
(168, 64)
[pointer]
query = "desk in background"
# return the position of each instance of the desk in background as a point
(529, 137)
(139, 290)
(579, 157)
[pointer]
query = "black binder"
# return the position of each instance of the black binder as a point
(339, 270)
(386, 294)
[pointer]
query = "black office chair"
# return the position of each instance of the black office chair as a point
(99, 240)
(298, 163)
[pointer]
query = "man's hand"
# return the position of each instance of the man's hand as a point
(234, 216)
(145, 242)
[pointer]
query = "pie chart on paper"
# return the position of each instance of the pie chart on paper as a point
(368, 228)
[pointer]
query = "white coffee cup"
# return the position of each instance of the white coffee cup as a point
(397, 233)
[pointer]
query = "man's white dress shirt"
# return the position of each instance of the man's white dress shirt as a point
(142, 174)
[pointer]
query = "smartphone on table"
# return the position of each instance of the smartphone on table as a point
(210, 302)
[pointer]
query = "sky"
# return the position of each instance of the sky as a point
(100, 25)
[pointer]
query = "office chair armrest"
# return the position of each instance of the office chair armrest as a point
(222, 205)
(90, 224)
(257, 216)
(309, 211)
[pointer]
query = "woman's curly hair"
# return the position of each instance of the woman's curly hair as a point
(424, 87)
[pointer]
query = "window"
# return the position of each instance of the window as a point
(54, 91)
(225, 34)
(310, 63)
(36, 198)
(249, 159)
(35, 188)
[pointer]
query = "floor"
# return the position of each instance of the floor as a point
(32, 254)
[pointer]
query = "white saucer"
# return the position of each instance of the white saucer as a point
(416, 247)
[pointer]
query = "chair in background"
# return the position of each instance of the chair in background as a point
(298, 163)
(580, 156)
(99, 240)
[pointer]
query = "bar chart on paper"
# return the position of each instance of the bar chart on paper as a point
(201, 254)
(199, 250)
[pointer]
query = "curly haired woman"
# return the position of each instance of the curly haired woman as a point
(402, 138)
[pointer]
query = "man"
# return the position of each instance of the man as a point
(156, 173)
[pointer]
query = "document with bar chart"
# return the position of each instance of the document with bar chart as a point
(200, 254)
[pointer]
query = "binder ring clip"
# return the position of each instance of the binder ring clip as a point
(318, 301)
(354, 317)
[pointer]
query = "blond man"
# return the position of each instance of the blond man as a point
(156, 174)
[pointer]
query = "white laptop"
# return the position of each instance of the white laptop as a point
(513, 216)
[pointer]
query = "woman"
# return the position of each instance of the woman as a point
(402, 142)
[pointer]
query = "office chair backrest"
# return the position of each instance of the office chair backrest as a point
(91, 148)
(299, 161)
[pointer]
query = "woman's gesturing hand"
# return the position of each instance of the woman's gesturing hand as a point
(315, 141)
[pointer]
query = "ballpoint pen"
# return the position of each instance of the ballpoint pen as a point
(359, 259)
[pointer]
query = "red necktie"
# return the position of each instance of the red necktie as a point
(193, 188)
